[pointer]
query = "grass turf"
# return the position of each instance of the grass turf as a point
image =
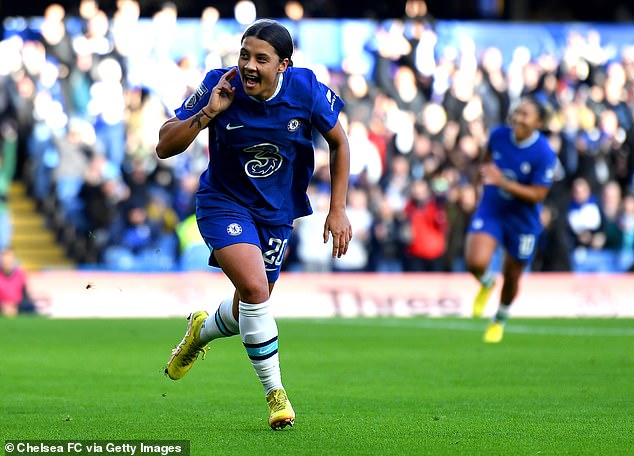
(359, 386)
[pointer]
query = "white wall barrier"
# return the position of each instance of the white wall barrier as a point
(74, 294)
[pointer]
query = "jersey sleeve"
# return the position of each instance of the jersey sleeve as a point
(492, 141)
(326, 107)
(544, 170)
(200, 97)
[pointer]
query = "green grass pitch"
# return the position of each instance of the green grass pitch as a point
(359, 386)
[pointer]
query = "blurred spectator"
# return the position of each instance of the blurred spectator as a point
(616, 152)
(144, 115)
(193, 252)
(359, 99)
(552, 252)
(137, 176)
(13, 291)
(389, 46)
(584, 216)
(139, 243)
(49, 118)
(584, 221)
(458, 97)
(162, 215)
(18, 96)
(365, 161)
(626, 224)
(58, 46)
(493, 87)
(611, 213)
(602, 150)
(314, 255)
(461, 206)
(390, 233)
(395, 183)
(427, 219)
(81, 79)
(546, 91)
(107, 106)
(102, 194)
(618, 226)
(356, 259)
(8, 152)
(75, 151)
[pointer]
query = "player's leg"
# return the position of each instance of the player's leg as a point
(223, 322)
(244, 265)
(479, 250)
(512, 272)
(520, 248)
(204, 327)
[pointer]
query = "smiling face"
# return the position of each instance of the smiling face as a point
(525, 120)
(260, 67)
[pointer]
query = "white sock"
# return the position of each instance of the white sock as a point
(502, 314)
(486, 279)
(259, 336)
(221, 323)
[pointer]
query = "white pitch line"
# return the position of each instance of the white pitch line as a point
(478, 326)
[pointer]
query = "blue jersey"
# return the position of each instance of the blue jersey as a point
(261, 155)
(530, 163)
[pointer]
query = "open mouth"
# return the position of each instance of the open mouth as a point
(250, 80)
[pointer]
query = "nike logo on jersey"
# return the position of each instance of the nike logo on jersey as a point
(233, 127)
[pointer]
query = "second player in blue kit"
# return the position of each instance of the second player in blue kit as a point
(516, 177)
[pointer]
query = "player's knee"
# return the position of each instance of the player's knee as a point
(512, 277)
(476, 267)
(254, 291)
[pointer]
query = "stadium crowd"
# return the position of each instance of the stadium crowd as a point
(87, 102)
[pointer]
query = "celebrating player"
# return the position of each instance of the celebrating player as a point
(516, 180)
(259, 115)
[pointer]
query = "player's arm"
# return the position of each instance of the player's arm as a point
(491, 175)
(176, 135)
(337, 221)
(486, 155)
(531, 193)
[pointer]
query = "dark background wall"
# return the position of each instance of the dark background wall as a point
(524, 10)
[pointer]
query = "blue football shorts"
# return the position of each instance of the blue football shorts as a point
(228, 227)
(518, 242)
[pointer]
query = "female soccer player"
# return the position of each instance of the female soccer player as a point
(516, 181)
(259, 116)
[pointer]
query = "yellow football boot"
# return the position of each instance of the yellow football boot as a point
(494, 333)
(184, 355)
(481, 299)
(281, 412)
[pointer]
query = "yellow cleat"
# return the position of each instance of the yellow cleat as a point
(281, 411)
(480, 301)
(494, 333)
(186, 353)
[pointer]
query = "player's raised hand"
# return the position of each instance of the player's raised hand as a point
(338, 224)
(223, 93)
(491, 174)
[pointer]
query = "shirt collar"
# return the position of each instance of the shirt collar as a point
(526, 142)
(277, 89)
